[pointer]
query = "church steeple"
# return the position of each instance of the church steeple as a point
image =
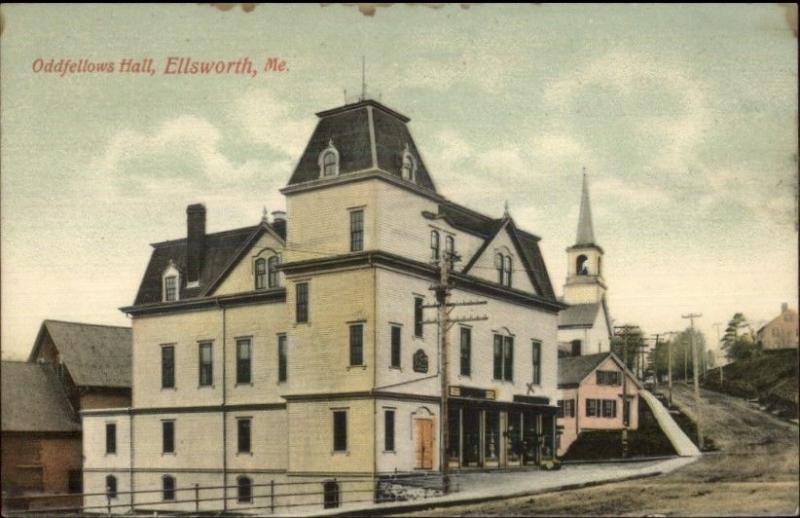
(585, 234)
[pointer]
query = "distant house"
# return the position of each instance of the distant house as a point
(92, 361)
(591, 389)
(72, 366)
(782, 332)
(41, 433)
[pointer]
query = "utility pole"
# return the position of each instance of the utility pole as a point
(719, 346)
(444, 307)
(655, 360)
(625, 330)
(695, 375)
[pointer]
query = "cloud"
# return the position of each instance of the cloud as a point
(268, 120)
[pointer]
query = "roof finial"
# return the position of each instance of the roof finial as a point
(506, 214)
(265, 215)
(363, 78)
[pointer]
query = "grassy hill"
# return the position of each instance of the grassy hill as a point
(771, 377)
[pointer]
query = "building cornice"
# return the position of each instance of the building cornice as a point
(271, 296)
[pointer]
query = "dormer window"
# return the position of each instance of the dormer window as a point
(409, 168)
(272, 268)
(261, 273)
(503, 265)
(329, 161)
(434, 246)
(170, 283)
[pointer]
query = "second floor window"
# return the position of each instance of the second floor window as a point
(168, 436)
(206, 364)
(340, 430)
(243, 362)
(388, 430)
(272, 271)
(609, 378)
(356, 230)
(434, 246)
(243, 435)
(170, 288)
(466, 351)
(282, 359)
(261, 274)
(168, 366)
(357, 344)
(301, 302)
(503, 357)
(394, 360)
(111, 438)
(536, 354)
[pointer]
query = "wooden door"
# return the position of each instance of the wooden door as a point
(424, 432)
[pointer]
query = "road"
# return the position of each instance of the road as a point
(754, 473)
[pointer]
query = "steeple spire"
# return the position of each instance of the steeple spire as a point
(585, 229)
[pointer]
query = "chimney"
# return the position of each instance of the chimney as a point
(195, 241)
(279, 222)
(784, 307)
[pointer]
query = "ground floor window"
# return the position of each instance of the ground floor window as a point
(330, 491)
(492, 436)
(244, 490)
(168, 487)
(111, 486)
(75, 481)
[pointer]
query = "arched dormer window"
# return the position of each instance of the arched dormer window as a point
(272, 269)
(408, 170)
(261, 273)
(507, 270)
(434, 245)
(498, 265)
(170, 283)
(582, 265)
(503, 264)
(329, 161)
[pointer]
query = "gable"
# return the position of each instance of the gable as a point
(241, 275)
(483, 264)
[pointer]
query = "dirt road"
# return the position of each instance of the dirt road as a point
(754, 473)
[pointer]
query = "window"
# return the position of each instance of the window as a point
(111, 486)
(261, 274)
(592, 409)
(244, 490)
(507, 270)
(356, 230)
(168, 487)
(503, 357)
(330, 491)
(388, 430)
(498, 264)
(282, 364)
(409, 166)
(582, 265)
(536, 356)
(609, 408)
(206, 364)
(170, 288)
(243, 362)
(329, 161)
(566, 408)
(609, 378)
(357, 344)
(418, 316)
(168, 436)
(75, 481)
(502, 264)
(395, 346)
(626, 412)
(272, 271)
(340, 430)
(434, 245)
(301, 293)
(168, 366)
(576, 348)
(243, 435)
(111, 438)
(466, 351)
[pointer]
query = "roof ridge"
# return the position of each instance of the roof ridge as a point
(180, 240)
(84, 323)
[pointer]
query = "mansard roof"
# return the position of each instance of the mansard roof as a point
(367, 135)
(222, 250)
(95, 355)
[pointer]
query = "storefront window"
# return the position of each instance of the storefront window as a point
(514, 434)
(492, 439)
(454, 427)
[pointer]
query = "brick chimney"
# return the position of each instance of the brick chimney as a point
(279, 222)
(195, 241)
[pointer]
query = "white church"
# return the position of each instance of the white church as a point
(585, 327)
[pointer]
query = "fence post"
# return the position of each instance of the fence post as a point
(196, 497)
(272, 496)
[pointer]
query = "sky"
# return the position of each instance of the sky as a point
(685, 118)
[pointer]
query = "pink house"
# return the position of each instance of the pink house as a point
(590, 392)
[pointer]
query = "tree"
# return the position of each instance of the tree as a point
(737, 343)
(636, 345)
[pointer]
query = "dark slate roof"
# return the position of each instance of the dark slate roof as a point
(95, 355)
(579, 315)
(33, 399)
(573, 369)
(221, 251)
(348, 127)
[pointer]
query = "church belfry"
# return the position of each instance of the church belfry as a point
(585, 283)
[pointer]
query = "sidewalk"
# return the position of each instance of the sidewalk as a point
(486, 486)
